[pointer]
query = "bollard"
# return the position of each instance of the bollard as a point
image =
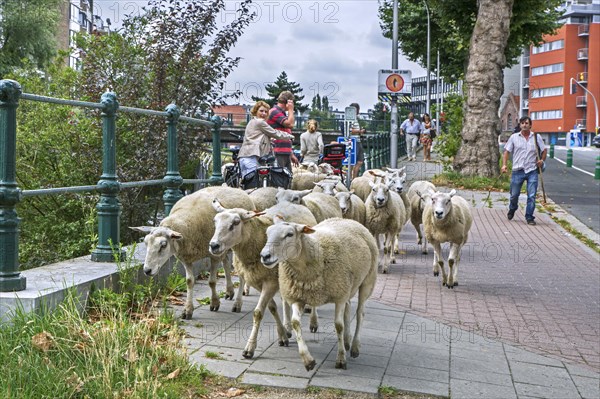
(551, 153)
(597, 169)
(569, 158)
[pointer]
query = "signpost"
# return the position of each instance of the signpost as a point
(349, 118)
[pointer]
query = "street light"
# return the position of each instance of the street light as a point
(394, 105)
(428, 59)
(574, 89)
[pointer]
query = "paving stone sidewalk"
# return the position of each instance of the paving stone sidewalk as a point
(523, 323)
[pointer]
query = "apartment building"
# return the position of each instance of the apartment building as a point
(573, 52)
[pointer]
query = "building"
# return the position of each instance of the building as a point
(572, 53)
(234, 115)
(417, 102)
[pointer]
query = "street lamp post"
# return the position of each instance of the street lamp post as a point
(394, 104)
(427, 107)
(590, 93)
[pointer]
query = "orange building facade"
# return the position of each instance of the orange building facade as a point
(573, 52)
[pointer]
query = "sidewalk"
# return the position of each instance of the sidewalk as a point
(524, 321)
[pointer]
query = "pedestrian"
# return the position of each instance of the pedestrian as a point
(257, 143)
(528, 156)
(358, 132)
(427, 133)
(281, 117)
(311, 143)
(412, 128)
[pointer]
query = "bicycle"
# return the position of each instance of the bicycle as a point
(232, 173)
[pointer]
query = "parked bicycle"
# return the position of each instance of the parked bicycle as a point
(232, 174)
(267, 175)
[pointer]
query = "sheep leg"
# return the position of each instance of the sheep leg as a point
(307, 359)
(422, 240)
(381, 255)
(215, 302)
(364, 292)
(387, 248)
(394, 244)
(237, 304)
(314, 320)
(266, 295)
(281, 331)
(453, 259)
(438, 262)
(246, 290)
(347, 336)
(340, 362)
(188, 310)
(419, 234)
(287, 317)
(228, 266)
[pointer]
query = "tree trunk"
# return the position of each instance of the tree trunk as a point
(479, 154)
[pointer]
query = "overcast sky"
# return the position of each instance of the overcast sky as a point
(334, 48)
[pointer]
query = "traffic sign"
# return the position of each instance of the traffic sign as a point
(394, 81)
(350, 113)
(350, 149)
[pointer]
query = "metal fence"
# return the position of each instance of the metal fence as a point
(108, 186)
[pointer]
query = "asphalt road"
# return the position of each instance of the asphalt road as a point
(575, 189)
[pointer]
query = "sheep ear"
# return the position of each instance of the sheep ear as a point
(307, 230)
(278, 219)
(452, 193)
(250, 214)
(143, 229)
(217, 205)
(305, 192)
(351, 192)
(175, 235)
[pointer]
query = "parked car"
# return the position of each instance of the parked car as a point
(596, 141)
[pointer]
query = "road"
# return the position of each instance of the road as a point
(574, 188)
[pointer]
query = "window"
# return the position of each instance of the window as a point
(545, 69)
(541, 115)
(555, 45)
(509, 124)
(547, 92)
(74, 13)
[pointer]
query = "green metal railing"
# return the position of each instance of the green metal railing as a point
(377, 149)
(108, 207)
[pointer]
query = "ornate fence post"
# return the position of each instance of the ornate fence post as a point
(109, 207)
(173, 178)
(10, 195)
(216, 177)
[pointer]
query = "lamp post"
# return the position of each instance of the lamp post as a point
(574, 89)
(427, 106)
(394, 105)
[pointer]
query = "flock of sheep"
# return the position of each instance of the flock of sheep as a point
(316, 243)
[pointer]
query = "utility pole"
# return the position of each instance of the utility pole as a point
(438, 93)
(394, 104)
(427, 107)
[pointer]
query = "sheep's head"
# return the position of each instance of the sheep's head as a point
(380, 193)
(327, 186)
(283, 242)
(344, 199)
(293, 196)
(395, 181)
(441, 204)
(160, 243)
(228, 227)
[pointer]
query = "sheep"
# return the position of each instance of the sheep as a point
(416, 208)
(263, 197)
(328, 263)
(361, 186)
(245, 232)
(385, 214)
(321, 205)
(447, 218)
(351, 205)
(185, 233)
(329, 185)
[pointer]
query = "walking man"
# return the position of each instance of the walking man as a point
(526, 163)
(412, 128)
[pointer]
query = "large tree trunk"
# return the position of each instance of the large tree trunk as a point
(478, 154)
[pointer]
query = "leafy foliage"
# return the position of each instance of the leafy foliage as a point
(449, 140)
(282, 84)
(451, 27)
(27, 33)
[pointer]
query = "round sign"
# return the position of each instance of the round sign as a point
(394, 83)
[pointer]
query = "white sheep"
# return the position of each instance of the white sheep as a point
(185, 234)
(328, 263)
(352, 206)
(329, 185)
(385, 215)
(263, 197)
(321, 205)
(361, 186)
(417, 203)
(245, 232)
(447, 218)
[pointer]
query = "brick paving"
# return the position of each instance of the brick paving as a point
(532, 286)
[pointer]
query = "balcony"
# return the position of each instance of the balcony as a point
(581, 101)
(525, 60)
(582, 77)
(525, 104)
(580, 123)
(526, 82)
(582, 54)
(583, 30)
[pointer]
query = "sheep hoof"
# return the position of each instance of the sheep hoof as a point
(311, 365)
(340, 365)
(246, 292)
(354, 353)
(284, 342)
(314, 329)
(229, 295)
(307, 309)
(236, 308)
(435, 274)
(424, 252)
(455, 283)
(185, 315)
(419, 242)
(248, 354)
(289, 334)
(214, 308)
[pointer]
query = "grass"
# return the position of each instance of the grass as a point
(567, 226)
(456, 180)
(213, 355)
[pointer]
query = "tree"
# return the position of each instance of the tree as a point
(282, 84)
(325, 106)
(451, 27)
(28, 32)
